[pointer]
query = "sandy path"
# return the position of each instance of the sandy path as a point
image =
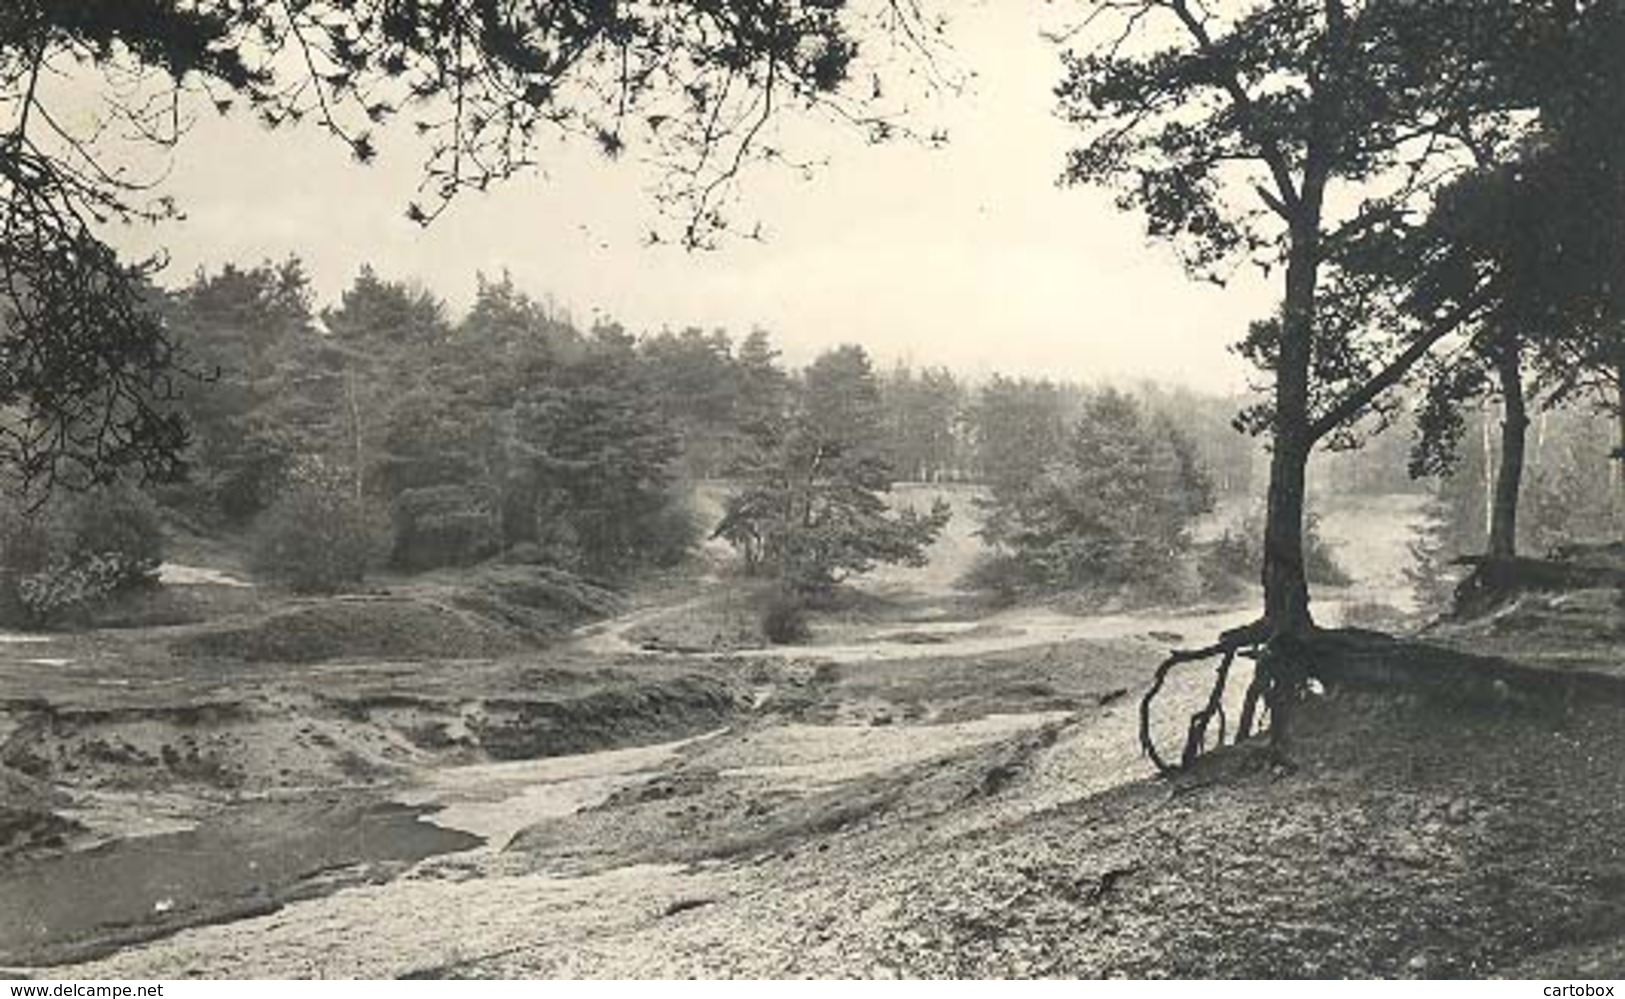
(1014, 629)
(496, 800)
(473, 907)
(478, 907)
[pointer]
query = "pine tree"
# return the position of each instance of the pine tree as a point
(812, 506)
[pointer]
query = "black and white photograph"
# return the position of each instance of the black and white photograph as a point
(812, 489)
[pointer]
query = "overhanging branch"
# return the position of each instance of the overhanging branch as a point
(1353, 404)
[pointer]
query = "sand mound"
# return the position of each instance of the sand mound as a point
(356, 628)
(287, 740)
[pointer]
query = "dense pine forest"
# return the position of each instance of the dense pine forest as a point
(387, 432)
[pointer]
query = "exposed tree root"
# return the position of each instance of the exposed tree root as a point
(1492, 582)
(1196, 734)
(1354, 659)
(1249, 642)
(1249, 708)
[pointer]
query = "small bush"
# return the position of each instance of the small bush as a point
(60, 563)
(784, 619)
(1236, 557)
(995, 574)
(122, 528)
(1224, 565)
(671, 534)
(65, 592)
(1320, 563)
(316, 536)
(443, 525)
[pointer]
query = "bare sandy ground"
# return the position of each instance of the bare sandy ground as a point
(850, 746)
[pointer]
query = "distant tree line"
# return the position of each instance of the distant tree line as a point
(505, 431)
(385, 430)
(444, 440)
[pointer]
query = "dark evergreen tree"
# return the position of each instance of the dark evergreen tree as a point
(1111, 510)
(245, 331)
(811, 507)
(1294, 135)
(1018, 426)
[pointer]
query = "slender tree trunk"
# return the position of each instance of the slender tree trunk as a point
(1619, 455)
(357, 457)
(1509, 477)
(1286, 586)
(1540, 437)
(1486, 446)
(1282, 666)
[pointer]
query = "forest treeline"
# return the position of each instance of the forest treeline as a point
(384, 429)
(448, 439)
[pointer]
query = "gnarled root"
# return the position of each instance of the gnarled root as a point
(1248, 642)
(1249, 708)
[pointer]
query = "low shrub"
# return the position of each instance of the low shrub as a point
(1228, 563)
(65, 592)
(1320, 562)
(316, 536)
(1225, 564)
(995, 574)
(784, 618)
(62, 561)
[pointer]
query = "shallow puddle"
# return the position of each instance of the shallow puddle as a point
(249, 859)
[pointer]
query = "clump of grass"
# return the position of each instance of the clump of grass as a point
(784, 618)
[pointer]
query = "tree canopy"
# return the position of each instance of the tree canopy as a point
(811, 507)
(693, 86)
(1112, 507)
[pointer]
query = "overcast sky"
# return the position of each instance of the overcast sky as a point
(969, 256)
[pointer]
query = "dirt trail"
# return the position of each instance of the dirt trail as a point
(610, 636)
(903, 735)
(464, 911)
(461, 909)
(495, 800)
(1008, 630)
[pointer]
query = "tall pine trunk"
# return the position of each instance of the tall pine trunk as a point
(1509, 476)
(1286, 585)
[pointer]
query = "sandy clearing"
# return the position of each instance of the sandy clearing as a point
(809, 758)
(496, 800)
(176, 574)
